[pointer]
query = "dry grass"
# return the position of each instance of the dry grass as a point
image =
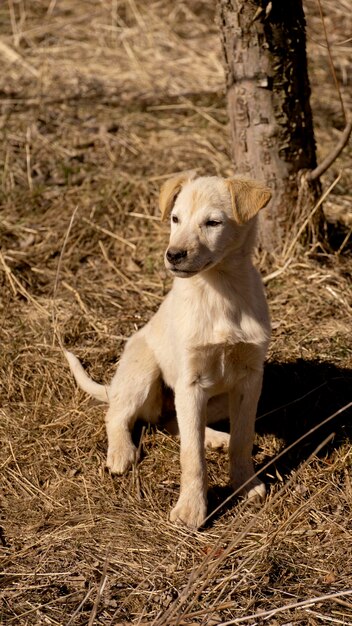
(100, 101)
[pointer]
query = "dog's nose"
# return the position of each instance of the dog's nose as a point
(174, 255)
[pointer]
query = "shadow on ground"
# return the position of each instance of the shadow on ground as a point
(298, 396)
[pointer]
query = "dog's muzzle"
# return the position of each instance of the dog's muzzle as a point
(175, 256)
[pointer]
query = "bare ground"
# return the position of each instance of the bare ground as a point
(100, 102)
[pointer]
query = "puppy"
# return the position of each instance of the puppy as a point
(207, 341)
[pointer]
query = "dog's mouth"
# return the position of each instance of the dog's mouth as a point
(180, 272)
(185, 273)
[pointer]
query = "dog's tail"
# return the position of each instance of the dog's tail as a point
(100, 392)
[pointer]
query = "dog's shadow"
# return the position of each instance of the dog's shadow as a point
(298, 397)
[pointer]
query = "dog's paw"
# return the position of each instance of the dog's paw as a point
(253, 490)
(256, 490)
(121, 458)
(190, 511)
(216, 439)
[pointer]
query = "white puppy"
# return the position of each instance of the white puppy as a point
(207, 341)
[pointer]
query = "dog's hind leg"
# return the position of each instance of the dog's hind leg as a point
(216, 439)
(217, 411)
(135, 391)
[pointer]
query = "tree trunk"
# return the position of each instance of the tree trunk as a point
(268, 100)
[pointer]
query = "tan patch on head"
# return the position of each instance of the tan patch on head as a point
(170, 190)
(195, 201)
(248, 197)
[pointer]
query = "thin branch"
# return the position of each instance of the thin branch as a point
(14, 57)
(86, 597)
(56, 333)
(102, 584)
(331, 62)
(325, 164)
(276, 273)
(108, 232)
(307, 220)
(16, 286)
(295, 605)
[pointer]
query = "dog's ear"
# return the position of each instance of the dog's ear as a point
(247, 197)
(170, 190)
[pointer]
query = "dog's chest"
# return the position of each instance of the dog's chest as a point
(217, 367)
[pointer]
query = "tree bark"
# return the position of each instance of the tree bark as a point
(268, 100)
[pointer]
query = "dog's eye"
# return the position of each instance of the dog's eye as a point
(174, 219)
(212, 223)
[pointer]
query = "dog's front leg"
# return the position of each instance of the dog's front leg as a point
(191, 507)
(243, 401)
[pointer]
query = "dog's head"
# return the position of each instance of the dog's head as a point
(210, 218)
